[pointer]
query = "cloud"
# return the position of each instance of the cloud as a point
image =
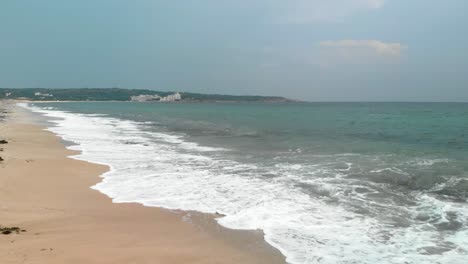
(310, 11)
(350, 52)
(351, 47)
(331, 54)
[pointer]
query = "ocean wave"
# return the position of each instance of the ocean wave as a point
(167, 170)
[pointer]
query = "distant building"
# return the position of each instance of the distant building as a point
(155, 97)
(172, 98)
(145, 98)
(43, 95)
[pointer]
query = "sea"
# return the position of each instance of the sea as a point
(326, 182)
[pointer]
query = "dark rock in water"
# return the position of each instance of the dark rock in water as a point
(1, 159)
(3, 141)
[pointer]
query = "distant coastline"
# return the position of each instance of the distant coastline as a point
(119, 94)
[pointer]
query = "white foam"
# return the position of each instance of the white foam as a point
(427, 162)
(159, 169)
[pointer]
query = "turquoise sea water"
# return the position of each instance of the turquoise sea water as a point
(327, 182)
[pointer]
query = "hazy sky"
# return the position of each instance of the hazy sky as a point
(321, 50)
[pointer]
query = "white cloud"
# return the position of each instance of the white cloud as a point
(309, 11)
(330, 54)
(350, 47)
(356, 52)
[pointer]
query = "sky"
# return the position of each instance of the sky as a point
(315, 50)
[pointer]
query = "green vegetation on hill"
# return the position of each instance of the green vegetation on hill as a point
(117, 94)
(85, 94)
(222, 97)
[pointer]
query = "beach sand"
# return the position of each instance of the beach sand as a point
(47, 194)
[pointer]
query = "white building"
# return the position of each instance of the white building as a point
(172, 97)
(148, 97)
(145, 98)
(43, 94)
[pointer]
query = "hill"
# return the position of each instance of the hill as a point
(118, 94)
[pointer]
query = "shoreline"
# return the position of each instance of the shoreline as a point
(68, 222)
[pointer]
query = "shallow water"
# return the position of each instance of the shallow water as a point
(327, 182)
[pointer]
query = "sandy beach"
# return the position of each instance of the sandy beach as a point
(47, 194)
